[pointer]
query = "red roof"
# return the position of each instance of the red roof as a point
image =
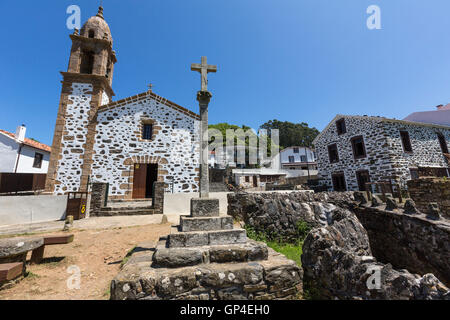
(29, 142)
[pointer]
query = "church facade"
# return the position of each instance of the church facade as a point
(130, 143)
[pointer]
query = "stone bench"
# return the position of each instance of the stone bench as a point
(38, 253)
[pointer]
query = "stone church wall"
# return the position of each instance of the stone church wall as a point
(119, 145)
(74, 139)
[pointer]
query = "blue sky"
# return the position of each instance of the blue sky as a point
(294, 60)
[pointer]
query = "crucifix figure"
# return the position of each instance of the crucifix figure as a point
(203, 68)
(203, 97)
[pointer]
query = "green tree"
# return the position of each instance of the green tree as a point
(292, 134)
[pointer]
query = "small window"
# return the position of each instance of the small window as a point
(340, 126)
(442, 142)
(406, 141)
(333, 153)
(37, 163)
(359, 151)
(339, 182)
(91, 33)
(87, 62)
(303, 158)
(147, 131)
(247, 179)
(295, 150)
(291, 159)
(414, 173)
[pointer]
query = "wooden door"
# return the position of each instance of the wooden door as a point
(139, 180)
(362, 177)
(255, 181)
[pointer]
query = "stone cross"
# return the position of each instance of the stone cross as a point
(203, 68)
(203, 97)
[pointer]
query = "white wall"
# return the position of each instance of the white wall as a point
(301, 152)
(26, 160)
(8, 153)
(27, 209)
(180, 203)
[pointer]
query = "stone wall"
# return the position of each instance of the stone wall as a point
(426, 190)
(70, 163)
(347, 239)
(277, 214)
(98, 194)
(119, 144)
(384, 150)
(410, 242)
(158, 197)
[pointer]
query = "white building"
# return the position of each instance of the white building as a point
(22, 155)
(298, 158)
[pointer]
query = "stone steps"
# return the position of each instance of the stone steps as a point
(182, 257)
(126, 208)
(188, 224)
(178, 239)
(134, 212)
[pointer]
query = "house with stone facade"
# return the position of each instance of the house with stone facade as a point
(130, 143)
(354, 150)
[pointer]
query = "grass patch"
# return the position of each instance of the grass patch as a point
(127, 257)
(292, 251)
(30, 275)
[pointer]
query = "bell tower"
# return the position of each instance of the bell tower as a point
(86, 86)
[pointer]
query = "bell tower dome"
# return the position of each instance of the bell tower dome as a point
(86, 86)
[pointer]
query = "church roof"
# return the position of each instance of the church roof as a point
(145, 95)
(29, 142)
(98, 25)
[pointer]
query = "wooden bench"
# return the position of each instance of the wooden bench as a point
(10, 271)
(38, 253)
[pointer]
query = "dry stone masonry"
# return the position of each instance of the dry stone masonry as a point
(351, 237)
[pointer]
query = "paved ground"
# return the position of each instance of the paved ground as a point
(87, 224)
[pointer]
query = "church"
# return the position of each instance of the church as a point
(130, 143)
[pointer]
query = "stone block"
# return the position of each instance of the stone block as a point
(227, 236)
(174, 257)
(204, 207)
(205, 224)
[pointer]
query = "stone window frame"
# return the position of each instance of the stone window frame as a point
(155, 129)
(352, 141)
(337, 153)
(341, 128)
(404, 134)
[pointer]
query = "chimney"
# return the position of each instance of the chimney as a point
(442, 107)
(20, 133)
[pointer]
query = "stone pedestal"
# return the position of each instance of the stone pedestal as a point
(205, 257)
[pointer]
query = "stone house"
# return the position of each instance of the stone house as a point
(353, 150)
(130, 143)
